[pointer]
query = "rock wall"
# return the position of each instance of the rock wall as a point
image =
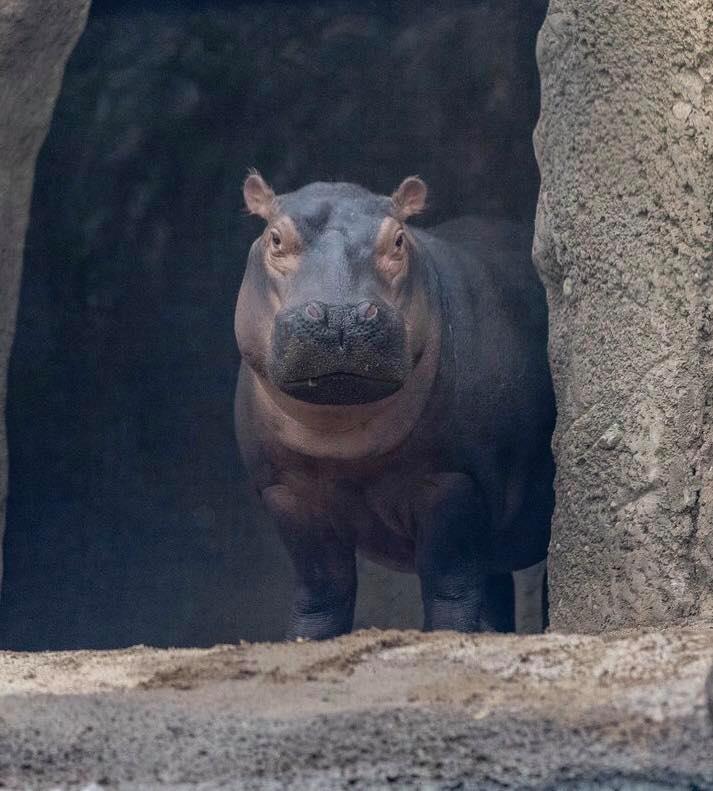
(36, 37)
(624, 244)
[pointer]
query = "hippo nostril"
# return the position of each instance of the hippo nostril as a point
(314, 311)
(367, 311)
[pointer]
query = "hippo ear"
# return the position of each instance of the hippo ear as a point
(259, 196)
(410, 197)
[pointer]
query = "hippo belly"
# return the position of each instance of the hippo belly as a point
(376, 516)
(387, 533)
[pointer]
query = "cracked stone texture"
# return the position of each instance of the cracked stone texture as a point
(375, 709)
(623, 243)
(36, 37)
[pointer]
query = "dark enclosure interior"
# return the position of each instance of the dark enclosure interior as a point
(129, 519)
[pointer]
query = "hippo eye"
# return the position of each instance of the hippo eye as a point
(399, 240)
(275, 239)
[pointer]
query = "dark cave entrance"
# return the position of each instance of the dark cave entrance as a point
(129, 519)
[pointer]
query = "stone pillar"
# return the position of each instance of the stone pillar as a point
(624, 245)
(36, 37)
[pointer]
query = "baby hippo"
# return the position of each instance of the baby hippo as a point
(394, 399)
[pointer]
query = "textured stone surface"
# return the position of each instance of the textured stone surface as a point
(624, 244)
(372, 710)
(36, 37)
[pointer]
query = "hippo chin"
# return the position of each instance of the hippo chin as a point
(394, 399)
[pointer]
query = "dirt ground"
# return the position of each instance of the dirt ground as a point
(376, 709)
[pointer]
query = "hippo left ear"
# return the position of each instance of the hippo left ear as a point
(410, 197)
(259, 196)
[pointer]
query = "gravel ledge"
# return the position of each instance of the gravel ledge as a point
(371, 710)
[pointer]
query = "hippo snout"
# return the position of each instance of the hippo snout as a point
(327, 314)
(339, 354)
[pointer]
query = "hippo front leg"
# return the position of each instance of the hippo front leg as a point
(452, 584)
(325, 567)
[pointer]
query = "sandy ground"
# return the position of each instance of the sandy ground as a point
(373, 710)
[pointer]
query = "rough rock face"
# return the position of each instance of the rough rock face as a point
(624, 239)
(366, 711)
(36, 36)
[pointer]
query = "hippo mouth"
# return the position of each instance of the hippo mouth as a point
(341, 388)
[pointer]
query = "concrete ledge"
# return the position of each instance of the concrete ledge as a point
(376, 708)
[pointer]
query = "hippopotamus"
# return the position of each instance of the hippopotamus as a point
(394, 399)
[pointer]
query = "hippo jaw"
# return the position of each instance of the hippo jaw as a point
(341, 389)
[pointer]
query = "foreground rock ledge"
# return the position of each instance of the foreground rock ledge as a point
(374, 708)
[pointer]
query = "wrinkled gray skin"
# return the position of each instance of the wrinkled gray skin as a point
(394, 398)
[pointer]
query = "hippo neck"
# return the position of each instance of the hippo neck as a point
(362, 430)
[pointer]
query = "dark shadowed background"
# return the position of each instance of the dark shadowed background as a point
(129, 517)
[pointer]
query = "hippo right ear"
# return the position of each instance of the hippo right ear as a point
(410, 197)
(259, 196)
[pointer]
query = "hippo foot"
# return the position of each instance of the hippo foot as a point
(476, 603)
(460, 614)
(320, 621)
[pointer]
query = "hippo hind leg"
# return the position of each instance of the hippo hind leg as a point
(454, 590)
(531, 599)
(498, 605)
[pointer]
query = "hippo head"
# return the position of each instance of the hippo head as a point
(332, 309)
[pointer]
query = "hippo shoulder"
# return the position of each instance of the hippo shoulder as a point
(492, 256)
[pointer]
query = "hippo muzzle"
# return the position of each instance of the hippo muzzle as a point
(339, 354)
